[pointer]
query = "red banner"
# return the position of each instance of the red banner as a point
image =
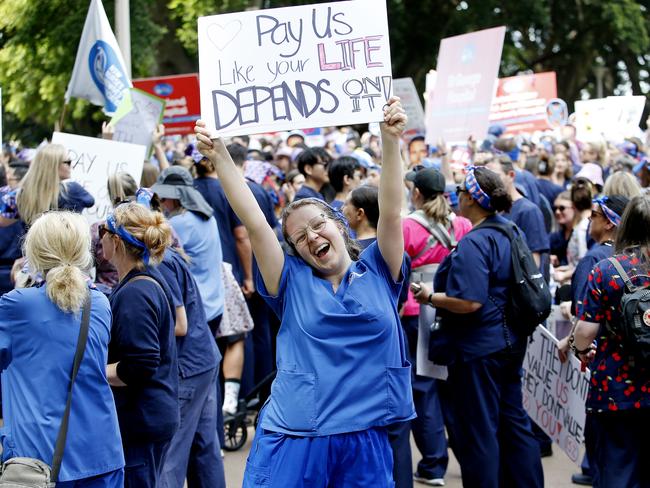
(181, 92)
(520, 102)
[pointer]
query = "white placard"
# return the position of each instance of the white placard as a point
(294, 67)
(554, 393)
(93, 159)
(137, 117)
(611, 118)
(405, 89)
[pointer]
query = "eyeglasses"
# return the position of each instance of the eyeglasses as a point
(317, 224)
(103, 230)
(561, 208)
(67, 162)
(459, 190)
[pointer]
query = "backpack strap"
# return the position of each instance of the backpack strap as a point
(438, 232)
(508, 228)
(623, 274)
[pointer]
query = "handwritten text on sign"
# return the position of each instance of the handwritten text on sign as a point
(294, 67)
(93, 160)
(554, 394)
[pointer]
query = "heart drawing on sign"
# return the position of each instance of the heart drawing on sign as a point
(222, 35)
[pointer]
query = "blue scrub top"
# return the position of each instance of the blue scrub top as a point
(37, 346)
(341, 359)
(227, 221)
(527, 180)
(530, 220)
(307, 192)
(478, 270)
(201, 242)
(143, 341)
(197, 351)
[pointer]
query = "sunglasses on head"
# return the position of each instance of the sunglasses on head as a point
(103, 230)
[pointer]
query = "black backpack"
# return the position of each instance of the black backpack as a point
(634, 326)
(530, 298)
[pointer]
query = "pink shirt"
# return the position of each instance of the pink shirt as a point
(415, 238)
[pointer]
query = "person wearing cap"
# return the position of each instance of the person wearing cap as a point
(496, 446)
(314, 168)
(142, 360)
(426, 250)
(295, 138)
(345, 175)
(618, 401)
(191, 217)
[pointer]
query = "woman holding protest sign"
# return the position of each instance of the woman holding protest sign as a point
(619, 397)
(343, 375)
(495, 444)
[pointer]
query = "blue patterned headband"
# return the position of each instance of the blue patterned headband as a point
(612, 216)
(475, 190)
(123, 234)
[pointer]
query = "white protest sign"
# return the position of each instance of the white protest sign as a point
(554, 393)
(294, 67)
(93, 160)
(625, 116)
(611, 118)
(592, 119)
(138, 114)
(405, 89)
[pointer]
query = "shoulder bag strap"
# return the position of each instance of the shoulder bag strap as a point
(78, 356)
(438, 231)
(149, 278)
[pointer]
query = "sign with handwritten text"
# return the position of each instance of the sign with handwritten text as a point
(554, 393)
(294, 67)
(405, 89)
(467, 68)
(93, 159)
(137, 116)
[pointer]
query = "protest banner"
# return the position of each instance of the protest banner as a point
(93, 159)
(611, 118)
(467, 70)
(554, 393)
(405, 89)
(520, 102)
(182, 103)
(137, 117)
(294, 67)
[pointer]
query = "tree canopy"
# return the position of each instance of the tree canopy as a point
(39, 39)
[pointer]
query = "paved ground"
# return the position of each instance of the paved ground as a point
(557, 468)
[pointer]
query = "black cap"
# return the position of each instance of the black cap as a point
(429, 181)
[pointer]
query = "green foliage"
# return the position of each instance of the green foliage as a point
(39, 39)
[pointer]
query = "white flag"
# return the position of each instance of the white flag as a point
(98, 74)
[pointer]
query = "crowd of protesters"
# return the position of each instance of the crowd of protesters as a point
(238, 260)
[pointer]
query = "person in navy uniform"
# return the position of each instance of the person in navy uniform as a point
(343, 373)
(142, 362)
(496, 446)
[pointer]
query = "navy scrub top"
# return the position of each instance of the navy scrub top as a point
(37, 347)
(197, 351)
(341, 359)
(478, 270)
(143, 341)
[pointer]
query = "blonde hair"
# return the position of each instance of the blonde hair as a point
(437, 209)
(622, 183)
(121, 185)
(40, 186)
(149, 175)
(147, 226)
(58, 246)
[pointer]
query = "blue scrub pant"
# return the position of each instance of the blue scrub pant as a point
(144, 463)
(622, 449)
(113, 479)
(494, 441)
(399, 436)
(429, 427)
(195, 451)
(354, 460)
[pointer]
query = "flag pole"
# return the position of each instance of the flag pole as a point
(58, 126)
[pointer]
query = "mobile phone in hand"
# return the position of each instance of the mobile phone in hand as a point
(415, 288)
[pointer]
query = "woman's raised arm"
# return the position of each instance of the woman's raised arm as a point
(267, 249)
(389, 227)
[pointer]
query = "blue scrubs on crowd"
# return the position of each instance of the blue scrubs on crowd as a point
(498, 447)
(37, 347)
(142, 340)
(307, 192)
(10, 241)
(195, 450)
(343, 376)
